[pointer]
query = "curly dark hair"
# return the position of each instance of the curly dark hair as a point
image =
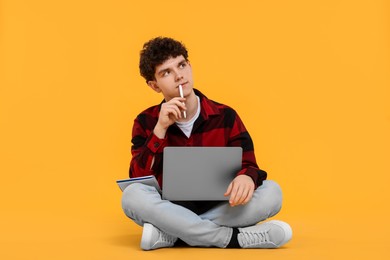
(156, 51)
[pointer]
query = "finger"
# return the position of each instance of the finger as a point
(175, 103)
(178, 102)
(243, 195)
(229, 189)
(178, 111)
(236, 195)
(181, 99)
(233, 194)
(174, 109)
(239, 196)
(179, 107)
(182, 106)
(173, 113)
(249, 197)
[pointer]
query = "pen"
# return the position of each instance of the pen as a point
(181, 95)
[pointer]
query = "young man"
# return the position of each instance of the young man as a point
(164, 64)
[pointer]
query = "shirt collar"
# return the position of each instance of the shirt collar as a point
(208, 107)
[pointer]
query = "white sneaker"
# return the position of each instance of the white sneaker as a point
(153, 238)
(271, 234)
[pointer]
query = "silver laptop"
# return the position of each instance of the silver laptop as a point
(199, 173)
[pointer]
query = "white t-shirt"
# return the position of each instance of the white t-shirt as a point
(186, 127)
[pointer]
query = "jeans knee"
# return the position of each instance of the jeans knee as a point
(138, 197)
(131, 197)
(273, 196)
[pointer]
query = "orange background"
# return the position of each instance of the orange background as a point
(309, 78)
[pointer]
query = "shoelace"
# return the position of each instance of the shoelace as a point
(165, 238)
(252, 238)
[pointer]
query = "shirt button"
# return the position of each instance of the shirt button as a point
(156, 144)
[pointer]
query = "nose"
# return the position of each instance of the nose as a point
(178, 75)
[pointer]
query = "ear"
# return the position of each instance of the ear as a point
(153, 85)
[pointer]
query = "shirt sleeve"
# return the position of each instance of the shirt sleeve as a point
(239, 136)
(146, 151)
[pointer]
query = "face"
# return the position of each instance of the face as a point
(169, 75)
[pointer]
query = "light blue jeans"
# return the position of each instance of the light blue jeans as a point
(143, 204)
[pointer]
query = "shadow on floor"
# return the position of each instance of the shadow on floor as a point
(130, 240)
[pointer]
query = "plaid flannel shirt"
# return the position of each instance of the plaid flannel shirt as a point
(217, 125)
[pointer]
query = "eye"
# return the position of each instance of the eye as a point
(166, 73)
(182, 65)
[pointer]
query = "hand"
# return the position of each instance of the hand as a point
(170, 112)
(240, 190)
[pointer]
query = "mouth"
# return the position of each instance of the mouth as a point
(182, 84)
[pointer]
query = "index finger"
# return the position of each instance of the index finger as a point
(229, 189)
(177, 99)
(233, 194)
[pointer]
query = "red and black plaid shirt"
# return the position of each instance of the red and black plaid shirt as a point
(217, 125)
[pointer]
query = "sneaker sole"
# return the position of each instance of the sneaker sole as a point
(287, 229)
(146, 236)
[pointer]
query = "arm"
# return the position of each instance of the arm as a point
(250, 176)
(145, 149)
(149, 139)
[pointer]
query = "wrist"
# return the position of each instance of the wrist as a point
(159, 131)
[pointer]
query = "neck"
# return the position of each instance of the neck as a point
(192, 106)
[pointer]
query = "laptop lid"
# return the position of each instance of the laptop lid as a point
(199, 173)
